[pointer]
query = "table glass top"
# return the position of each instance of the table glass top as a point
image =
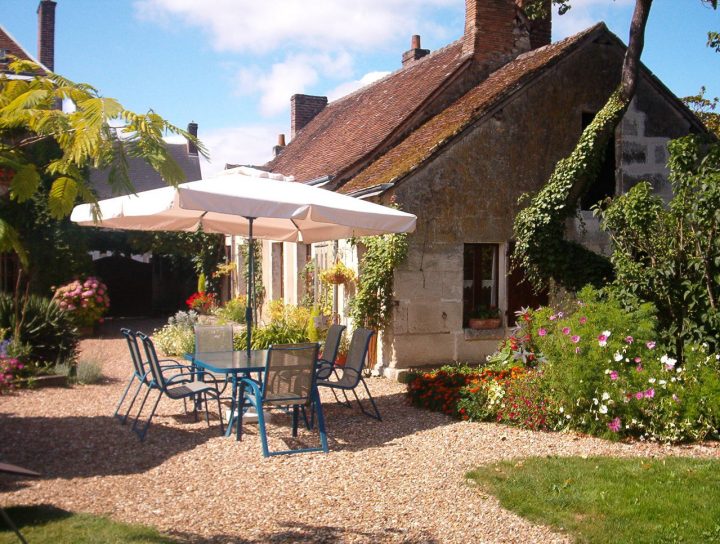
(232, 361)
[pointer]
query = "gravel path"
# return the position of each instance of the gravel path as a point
(399, 480)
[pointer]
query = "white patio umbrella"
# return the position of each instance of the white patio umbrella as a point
(251, 203)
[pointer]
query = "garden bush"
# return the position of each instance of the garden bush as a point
(608, 375)
(47, 334)
(233, 310)
(277, 332)
(85, 301)
(178, 336)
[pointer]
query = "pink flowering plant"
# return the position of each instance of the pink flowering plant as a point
(85, 300)
(10, 368)
(608, 376)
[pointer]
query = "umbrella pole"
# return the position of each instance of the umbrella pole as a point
(251, 287)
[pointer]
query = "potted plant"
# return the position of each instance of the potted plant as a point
(337, 274)
(85, 300)
(342, 350)
(485, 317)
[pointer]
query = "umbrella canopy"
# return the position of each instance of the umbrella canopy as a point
(251, 203)
(281, 209)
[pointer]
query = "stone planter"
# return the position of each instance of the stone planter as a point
(483, 324)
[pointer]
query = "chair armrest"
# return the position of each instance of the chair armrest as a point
(324, 369)
(252, 386)
(189, 376)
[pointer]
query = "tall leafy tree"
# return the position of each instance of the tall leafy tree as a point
(90, 131)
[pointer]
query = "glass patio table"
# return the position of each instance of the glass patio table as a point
(234, 365)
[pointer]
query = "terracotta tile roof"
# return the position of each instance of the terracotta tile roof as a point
(11, 47)
(350, 128)
(420, 144)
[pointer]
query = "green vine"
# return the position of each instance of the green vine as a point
(541, 249)
(372, 305)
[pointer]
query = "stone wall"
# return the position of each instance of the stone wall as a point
(468, 194)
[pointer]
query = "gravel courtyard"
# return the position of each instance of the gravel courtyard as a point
(399, 480)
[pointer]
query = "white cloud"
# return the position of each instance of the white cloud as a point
(261, 27)
(250, 144)
(293, 75)
(350, 86)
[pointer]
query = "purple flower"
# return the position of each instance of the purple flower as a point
(553, 317)
(583, 320)
(560, 314)
(614, 425)
(650, 344)
(650, 393)
(602, 340)
(637, 360)
(629, 339)
(542, 332)
(575, 338)
(639, 395)
(614, 375)
(566, 330)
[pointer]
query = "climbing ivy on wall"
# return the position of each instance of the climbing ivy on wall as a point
(541, 249)
(372, 305)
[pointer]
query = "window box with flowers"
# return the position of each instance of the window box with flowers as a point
(485, 317)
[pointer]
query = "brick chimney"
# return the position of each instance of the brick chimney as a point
(277, 149)
(498, 30)
(192, 129)
(46, 33)
(303, 109)
(415, 52)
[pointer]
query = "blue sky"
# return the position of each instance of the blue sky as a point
(232, 65)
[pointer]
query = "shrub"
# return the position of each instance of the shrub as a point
(178, 336)
(10, 368)
(88, 372)
(482, 397)
(277, 332)
(525, 403)
(233, 310)
(46, 330)
(609, 377)
(86, 301)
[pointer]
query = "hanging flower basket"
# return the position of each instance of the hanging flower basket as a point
(338, 274)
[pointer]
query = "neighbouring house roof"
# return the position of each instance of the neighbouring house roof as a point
(423, 142)
(10, 46)
(144, 177)
(351, 128)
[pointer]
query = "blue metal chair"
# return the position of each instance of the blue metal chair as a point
(178, 386)
(289, 381)
(139, 373)
(348, 376)
(326, 363)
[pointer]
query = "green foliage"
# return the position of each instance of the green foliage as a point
(704, 108)
(178, 336)
(233, 310)
(670, 255)
(312, 332)
(541, 249)
(40, 324)
(372, 305)
(607, 375)
(277, 332)
(88, 372)
(201, 283)
(608, 500)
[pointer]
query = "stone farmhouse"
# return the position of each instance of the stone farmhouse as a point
(456, 136)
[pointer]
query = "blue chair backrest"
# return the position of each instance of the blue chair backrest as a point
(135, 355)
(152, 359)
(290, 372)
(357, 354)
(213, 338)
(332, 343)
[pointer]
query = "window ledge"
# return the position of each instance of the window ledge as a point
(484, 334)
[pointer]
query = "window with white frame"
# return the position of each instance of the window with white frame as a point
(480, 277)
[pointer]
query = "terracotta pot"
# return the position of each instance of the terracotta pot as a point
(341, 359)
(480, 324)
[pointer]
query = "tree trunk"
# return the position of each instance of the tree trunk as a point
(636, 43)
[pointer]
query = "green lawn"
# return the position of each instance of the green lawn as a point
(47, 524)
(602, 499)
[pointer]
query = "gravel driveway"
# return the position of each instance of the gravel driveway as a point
(399, 480)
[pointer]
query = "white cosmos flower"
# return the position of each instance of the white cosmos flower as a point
(618, 356)
(603, 409)
(605, 396)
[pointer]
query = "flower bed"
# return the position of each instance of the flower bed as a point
(594, 367)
